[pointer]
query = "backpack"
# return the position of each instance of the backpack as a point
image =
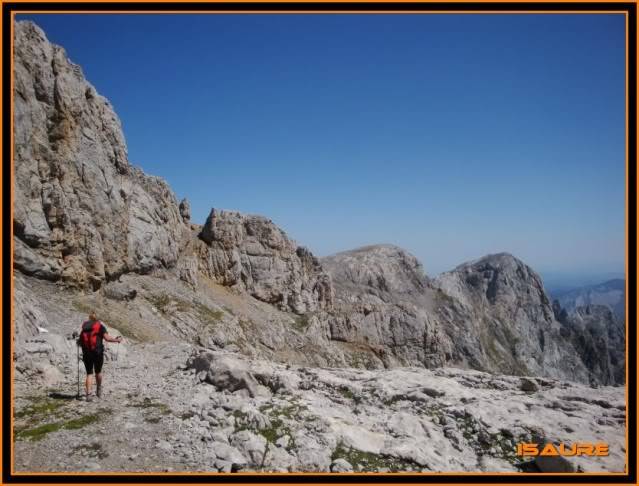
(89, 335)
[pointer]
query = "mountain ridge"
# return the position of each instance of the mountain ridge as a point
(243, 351)
(86, 218)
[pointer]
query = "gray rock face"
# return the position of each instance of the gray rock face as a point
(251, 253)
(491, 314)
(599, 338)
(502, 319)
(383, 303)
(81, 212)
(185, 210)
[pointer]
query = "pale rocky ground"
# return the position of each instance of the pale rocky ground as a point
(159, 415)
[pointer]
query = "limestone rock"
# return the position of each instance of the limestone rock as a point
(502, 319)
(528, 385)
(251, 253)
(599, 338)
(341, 465)
(225, 372)
(120, 291)
(81, 212)
(383, 306)
(185, 210)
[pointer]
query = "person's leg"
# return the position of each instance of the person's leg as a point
(98, 373)
(88, 366)
(87, 384)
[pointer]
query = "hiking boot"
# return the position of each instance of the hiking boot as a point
(89, 398)
(99, 392)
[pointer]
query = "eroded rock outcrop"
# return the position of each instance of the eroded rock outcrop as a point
(253, 254)
(81, 212)
(383, 305)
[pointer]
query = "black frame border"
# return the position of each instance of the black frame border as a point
(9, 8)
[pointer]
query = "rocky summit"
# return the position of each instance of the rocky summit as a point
(245, 352)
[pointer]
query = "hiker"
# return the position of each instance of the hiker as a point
(91, 336)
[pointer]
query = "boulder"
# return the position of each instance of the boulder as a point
(341, 465)
(528, 385)
(120, 291)
(185, 210)
(225, 372)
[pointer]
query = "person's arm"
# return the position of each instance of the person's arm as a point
(107, 338)
(112, 339)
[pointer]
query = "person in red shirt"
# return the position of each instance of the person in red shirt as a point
(91, 339)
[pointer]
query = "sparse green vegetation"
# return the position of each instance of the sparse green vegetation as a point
(147, 403)
(302, 322)
(348, 393)
(34, 432)
(208, 315)
(370, 462)
(278, 427)
(500, 444)
(167, 305)
(43, 406)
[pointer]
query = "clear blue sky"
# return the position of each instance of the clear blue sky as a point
(452, 136)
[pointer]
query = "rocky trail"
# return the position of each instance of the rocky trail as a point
(170, 408)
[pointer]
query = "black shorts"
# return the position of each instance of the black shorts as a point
(92, 360)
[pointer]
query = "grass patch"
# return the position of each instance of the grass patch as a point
(302, 322)
(43, 406)
(81, 422)
(167, 305)
(500, 444)
(147, 403)
(348, 393)
(38, 432)
(208, 315)
(370, 462)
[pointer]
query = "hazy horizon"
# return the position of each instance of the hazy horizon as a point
(452, 136)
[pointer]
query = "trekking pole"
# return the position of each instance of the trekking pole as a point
(77, 360)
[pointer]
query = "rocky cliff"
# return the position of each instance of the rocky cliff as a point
(82, 214)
